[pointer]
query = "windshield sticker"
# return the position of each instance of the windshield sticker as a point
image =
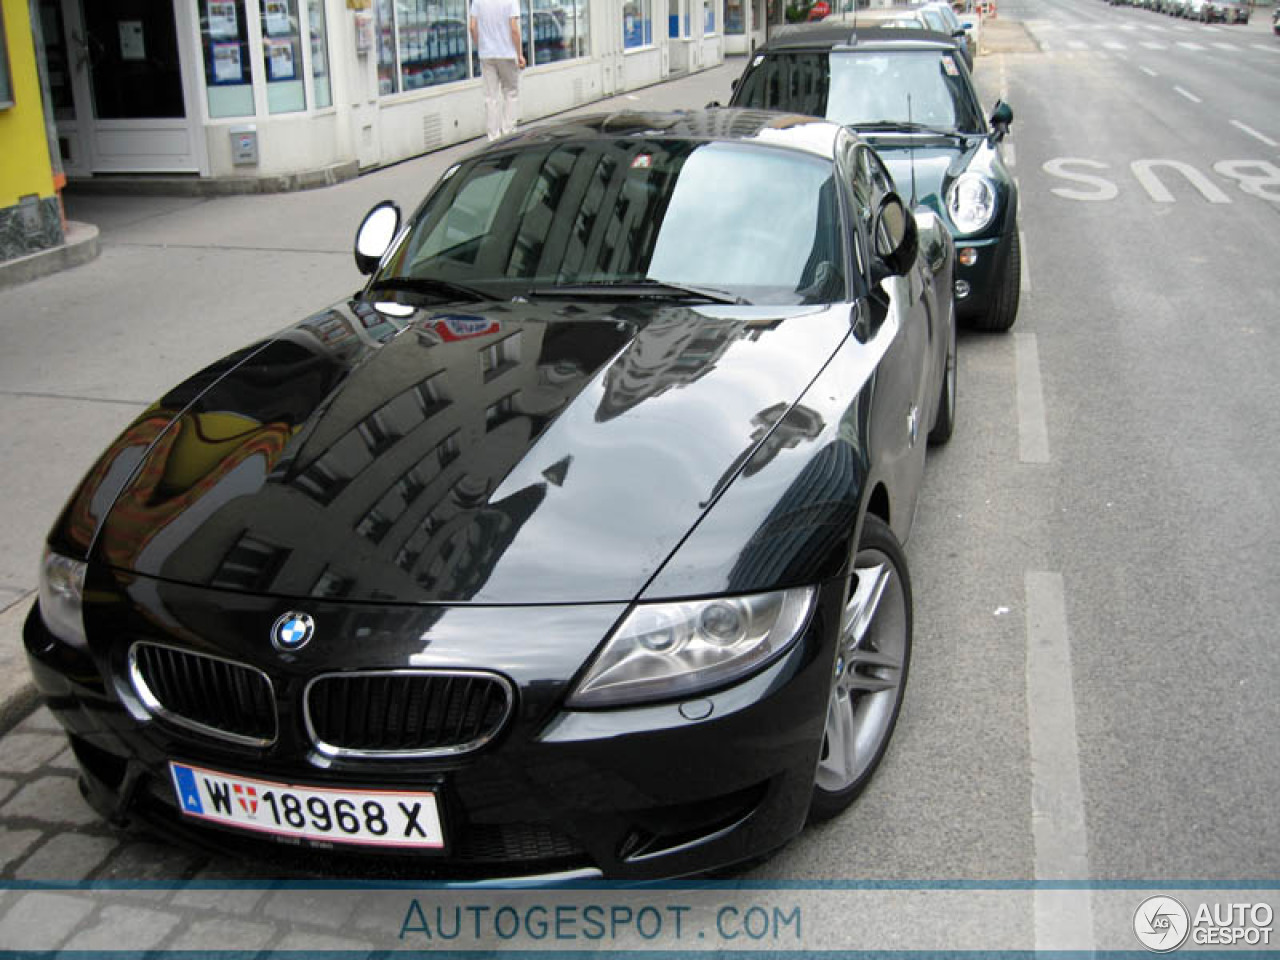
(642, 162)
(949, 66)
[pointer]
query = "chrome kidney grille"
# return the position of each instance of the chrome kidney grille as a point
(216, 697)
(406, 713)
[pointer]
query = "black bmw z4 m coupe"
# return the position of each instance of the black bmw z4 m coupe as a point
(568, 546)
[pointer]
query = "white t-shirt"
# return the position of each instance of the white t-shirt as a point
(493, 26)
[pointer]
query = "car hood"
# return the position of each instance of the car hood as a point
(516, 454)
(936, 163)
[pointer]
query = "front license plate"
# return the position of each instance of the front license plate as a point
(384, 818)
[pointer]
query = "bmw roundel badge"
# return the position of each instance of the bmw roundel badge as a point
(292, 631)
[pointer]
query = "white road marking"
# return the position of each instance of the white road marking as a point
(1152, 45)
(1112, 45)
(1033, 433)
(1254, 133)
(1057, 795)
(1226, 46)
(1025, 277)
(1010, 154)
(1188, 94)
(1077, 45)
(1182, 28)
(1208, 29)
(1189, 46)
(1259, 46)
(1149, 72)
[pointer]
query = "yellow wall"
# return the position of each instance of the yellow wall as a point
(24, 144)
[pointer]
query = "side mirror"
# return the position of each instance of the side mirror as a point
(377, 230)
(895, 237)
(957, 34)
(1001, 118)
(733, 84)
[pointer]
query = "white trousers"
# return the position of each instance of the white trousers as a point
(501, 96)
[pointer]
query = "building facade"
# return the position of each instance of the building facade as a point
(311, 91)
(30, 214)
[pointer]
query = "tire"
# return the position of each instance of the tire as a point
(1004, 305)
(944, 417)
(870, 673)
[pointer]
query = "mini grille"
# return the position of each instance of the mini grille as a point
(406, 713)
(208, 694)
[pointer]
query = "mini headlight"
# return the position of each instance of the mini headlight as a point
(61, 595)
(666, 650)
(971, 202)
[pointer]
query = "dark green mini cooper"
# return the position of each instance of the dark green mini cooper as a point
(910, 96)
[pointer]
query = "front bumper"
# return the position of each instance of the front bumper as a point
(633, 794)
(981, 278)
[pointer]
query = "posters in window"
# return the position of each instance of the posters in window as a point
(227, 67)
(280, 59)
(277, 18)
(223, 21)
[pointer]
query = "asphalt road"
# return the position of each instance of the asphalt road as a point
(1092, 692)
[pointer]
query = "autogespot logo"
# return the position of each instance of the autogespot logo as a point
(1161, 924)
(292, 631)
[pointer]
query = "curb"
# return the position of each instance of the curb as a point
(18, 695)
(162, 186)
(80, 247)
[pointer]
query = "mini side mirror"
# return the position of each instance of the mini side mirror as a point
(377, 230)
(895, 237)
(1001, 118)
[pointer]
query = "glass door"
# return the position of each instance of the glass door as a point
(131, 95)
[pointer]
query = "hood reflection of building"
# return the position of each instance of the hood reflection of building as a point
(463, 411)
(674, 349)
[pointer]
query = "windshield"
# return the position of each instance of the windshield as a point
(923, 87)
(758, 223)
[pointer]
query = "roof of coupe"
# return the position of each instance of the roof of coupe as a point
(826, 36)
(723, 124)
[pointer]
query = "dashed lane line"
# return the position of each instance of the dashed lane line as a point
(1254, 133)
(1033, 433)
(1057, 795)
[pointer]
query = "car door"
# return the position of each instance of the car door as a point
(900, 324)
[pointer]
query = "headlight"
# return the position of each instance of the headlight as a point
(666, 650)
(971, 202)
(61, 592)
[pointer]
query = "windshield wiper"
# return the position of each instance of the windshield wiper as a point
(432, 286)
(902, 126)
(638, 290)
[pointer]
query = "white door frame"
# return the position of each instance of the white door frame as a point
(148, 145)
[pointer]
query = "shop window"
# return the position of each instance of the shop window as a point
(224, 36)
(734, 18)
(637, 24)
(433, 42)
(282, 55)
(678, 19)
(559, 30)
(319, 28)
(708, 18)
(6, 80)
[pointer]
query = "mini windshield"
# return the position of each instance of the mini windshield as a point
(926, 88)
(755, 223)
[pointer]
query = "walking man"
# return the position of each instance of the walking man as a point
(495, 33)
